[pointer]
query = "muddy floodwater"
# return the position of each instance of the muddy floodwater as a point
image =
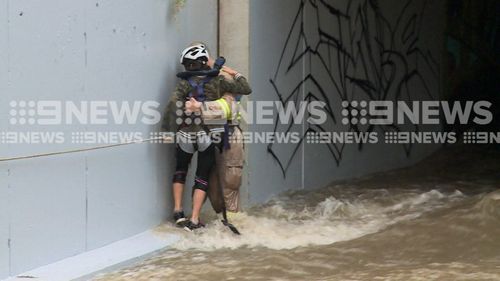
(439, 220)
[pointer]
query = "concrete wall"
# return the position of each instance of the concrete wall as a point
(56, 207)
(52, 208)
(310, 50)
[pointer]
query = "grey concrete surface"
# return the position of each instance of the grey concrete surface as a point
(272, 24)
(56, 207)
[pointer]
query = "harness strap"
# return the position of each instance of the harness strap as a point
(198, 92)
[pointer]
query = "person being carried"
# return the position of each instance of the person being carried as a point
(200, 83)
(226, 177)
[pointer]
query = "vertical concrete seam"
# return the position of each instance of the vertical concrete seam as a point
(8, 45)
(9, 217)
(303, 97)
(84, 90)
(9, 193)
(86, 203)
(218, 28)
(85, 57)
(245, 189)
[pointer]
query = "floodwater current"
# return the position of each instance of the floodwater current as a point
(438, 220)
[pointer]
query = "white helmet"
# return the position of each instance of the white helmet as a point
(195, 52)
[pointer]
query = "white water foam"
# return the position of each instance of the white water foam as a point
(332, 220)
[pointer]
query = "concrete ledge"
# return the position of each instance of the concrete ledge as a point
(105, 259)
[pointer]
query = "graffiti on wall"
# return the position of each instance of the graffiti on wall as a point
(359, 51)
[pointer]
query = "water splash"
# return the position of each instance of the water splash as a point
(284, 224)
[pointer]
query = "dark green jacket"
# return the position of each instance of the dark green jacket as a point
(214, 90)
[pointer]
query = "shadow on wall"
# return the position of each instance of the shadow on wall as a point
(366, 55)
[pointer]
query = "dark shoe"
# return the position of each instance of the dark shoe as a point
(180, 219)
(191, 226)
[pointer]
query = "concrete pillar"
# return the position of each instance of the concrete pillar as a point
(234, 45)
(234, 34)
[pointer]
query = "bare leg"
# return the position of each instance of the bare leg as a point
(178, 189)
(198, 199)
